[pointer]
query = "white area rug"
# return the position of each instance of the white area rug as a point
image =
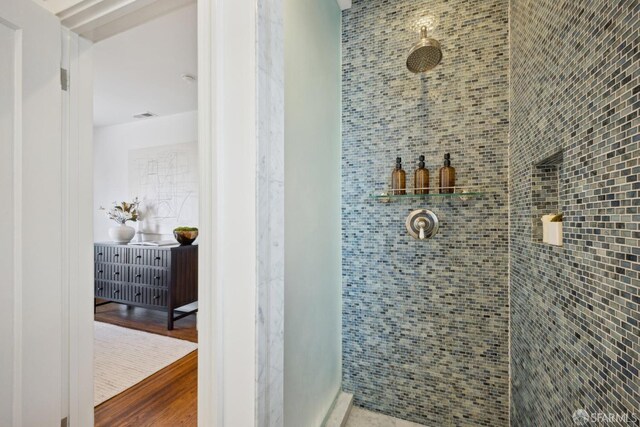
(124, 357)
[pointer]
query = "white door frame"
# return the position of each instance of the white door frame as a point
(77, 231)
(233, 287)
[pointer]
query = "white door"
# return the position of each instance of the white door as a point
(30, 215)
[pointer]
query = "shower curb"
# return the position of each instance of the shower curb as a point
(340, 410)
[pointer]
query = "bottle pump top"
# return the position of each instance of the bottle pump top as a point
(421, 164)
(447, 159)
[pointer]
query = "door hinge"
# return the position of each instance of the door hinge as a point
(64, 79)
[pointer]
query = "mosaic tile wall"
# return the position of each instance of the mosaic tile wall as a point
(575, 309)
(425, 323)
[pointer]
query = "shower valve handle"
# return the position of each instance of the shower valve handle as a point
(421, 225)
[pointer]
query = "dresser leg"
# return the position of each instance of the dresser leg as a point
(170, 320)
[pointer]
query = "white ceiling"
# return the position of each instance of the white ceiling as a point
(140, 69)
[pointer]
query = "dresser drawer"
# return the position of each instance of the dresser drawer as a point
(131, 294)
(111, 290)
(102, 289)
(112, 272)
(150, 257)
(111, 254)
(155, 297)
(149, 276)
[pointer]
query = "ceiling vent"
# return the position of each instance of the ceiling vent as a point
(144, 115)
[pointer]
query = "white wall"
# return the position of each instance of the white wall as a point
(7, 222)
(313, 283)
(111, 150)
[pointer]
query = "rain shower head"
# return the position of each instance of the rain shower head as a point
(425, 54)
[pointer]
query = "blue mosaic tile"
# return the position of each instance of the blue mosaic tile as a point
(425, 323)
(575, 309)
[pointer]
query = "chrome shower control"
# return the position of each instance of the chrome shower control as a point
(422, 224)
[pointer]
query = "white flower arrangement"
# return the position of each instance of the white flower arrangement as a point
(123, 211)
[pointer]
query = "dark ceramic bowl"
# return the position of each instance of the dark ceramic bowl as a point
(185, 237)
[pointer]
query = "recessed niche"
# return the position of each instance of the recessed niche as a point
(545, 191)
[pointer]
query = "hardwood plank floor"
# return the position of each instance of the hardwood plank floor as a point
(168, 397)
(147, 320)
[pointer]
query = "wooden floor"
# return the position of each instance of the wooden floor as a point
(168, 397)
(147, 320)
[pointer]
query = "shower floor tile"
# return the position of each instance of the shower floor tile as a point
(362, 418)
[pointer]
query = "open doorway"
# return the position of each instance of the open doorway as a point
(233, 346)
(145, 173)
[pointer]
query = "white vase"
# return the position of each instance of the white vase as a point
(122, 234)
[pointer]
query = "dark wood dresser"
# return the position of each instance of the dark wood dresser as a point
(162, 278)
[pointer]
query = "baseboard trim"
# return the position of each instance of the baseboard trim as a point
(340, 410)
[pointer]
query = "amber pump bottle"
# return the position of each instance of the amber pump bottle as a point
(398, 179)
(421, 178)
(447, 176)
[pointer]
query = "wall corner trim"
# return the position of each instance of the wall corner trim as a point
(344, 4)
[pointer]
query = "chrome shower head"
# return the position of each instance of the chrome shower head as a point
(425, 54)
